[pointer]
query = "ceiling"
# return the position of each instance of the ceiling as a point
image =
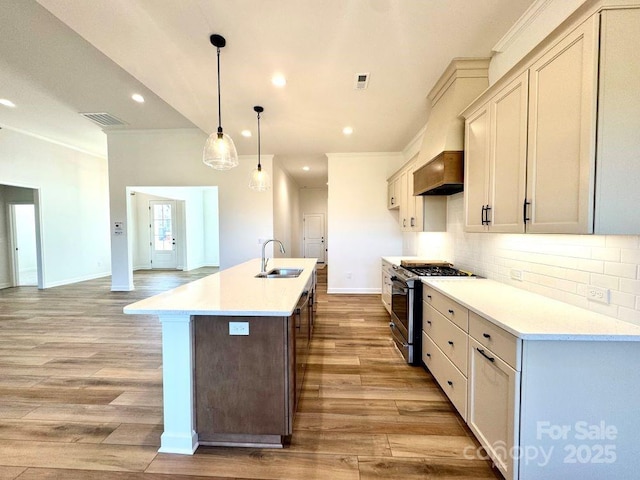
(62, 57)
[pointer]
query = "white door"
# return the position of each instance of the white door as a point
(314, 245)
(163, 233)
(23, 233)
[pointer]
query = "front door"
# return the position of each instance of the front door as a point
(314, 245)
(163, 233)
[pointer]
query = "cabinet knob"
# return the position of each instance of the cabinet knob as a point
(428, 355)
(486, 335)
(451, 311)
(429, 322)
(450, 383)
(429, 297)
(450, 343)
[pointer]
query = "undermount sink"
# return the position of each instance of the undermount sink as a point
(281, 273)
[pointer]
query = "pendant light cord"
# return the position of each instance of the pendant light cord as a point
(259, 166)
(219, 107)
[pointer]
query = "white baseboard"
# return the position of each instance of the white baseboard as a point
(5, 285)
(83, 278)
(355, 291)
(122, 288)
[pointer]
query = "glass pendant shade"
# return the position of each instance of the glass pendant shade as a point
(220, 152)
(260, 180)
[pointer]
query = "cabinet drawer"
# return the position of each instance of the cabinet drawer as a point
(452, 382)
(499, 341)
(447, 307)
(447, 336)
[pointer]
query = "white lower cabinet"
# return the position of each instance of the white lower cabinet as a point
(543, 407)
(494, 393)
(452, 381)
(387, 268)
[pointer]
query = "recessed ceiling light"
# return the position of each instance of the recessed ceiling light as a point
(7, 103)
(306, 169)
(137, 98)
(245, 133)
(347, 130)
(279, 80)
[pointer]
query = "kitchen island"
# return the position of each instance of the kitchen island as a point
(233, 348)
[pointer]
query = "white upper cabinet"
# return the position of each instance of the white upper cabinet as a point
(495, 164)
(561, 152)
(618, 154)
(566, 120)
(476, 169)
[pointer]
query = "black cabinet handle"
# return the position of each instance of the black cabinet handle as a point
(524, 211)
(393, 200)
(413, 222)
(451, 311)
(481, 352)
(428, 355)
(450, 343)
(486, 214)
(484, 209)
(486, 335)
(429, 297)
(450, 383)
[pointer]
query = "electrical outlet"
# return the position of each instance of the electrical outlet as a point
(259, 241)
(516, 274)
(598, 294)
(238, 328)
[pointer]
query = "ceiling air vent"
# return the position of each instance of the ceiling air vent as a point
(362, 80)
(103, 119)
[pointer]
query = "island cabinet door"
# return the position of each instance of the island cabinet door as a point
(241, 386)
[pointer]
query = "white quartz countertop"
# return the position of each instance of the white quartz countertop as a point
(233, 291)
(531, 316)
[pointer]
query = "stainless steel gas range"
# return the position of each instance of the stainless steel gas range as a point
(406, 303)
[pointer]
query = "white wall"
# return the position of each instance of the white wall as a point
(360, 227)
(314, 200)
(74, 204)
(174, 158)
(286, 212)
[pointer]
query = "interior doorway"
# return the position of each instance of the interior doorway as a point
(22, 221)
(163, 225)
(313, 237)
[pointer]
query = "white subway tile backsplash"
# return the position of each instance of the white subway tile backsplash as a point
(622, 241)
(630, 286)
(628, 255)
(588, 265)
(623, 299)
(625, 270)
(557, 266)
(604, 281)
(629, 315)
(577, 276)
(608, 254)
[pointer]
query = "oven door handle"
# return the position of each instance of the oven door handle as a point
(404, 344)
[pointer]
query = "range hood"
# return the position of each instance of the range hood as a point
(442, 148)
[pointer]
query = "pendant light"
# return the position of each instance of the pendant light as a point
(219, 151)
(259, 178)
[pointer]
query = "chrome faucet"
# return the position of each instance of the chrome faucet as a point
(264, 260)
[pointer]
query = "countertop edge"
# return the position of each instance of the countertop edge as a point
(539, 336)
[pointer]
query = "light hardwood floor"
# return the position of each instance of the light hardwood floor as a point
(81, 396)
